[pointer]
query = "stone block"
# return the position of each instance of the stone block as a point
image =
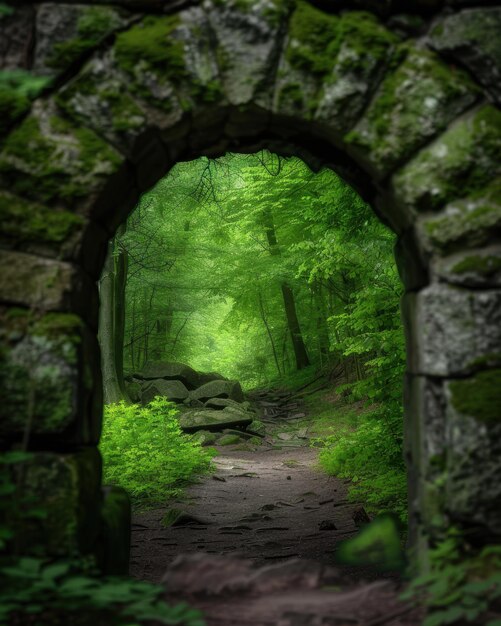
(50, 161)
(473, 490)
(463, 161)
(113, 547)
(65, 489)
(467, 223)
(414, 103)
(475, 268)
(248, 44)
(471, 39)
(50, 378)
(451, 330)
(17, 34)
(47, 285)
(38, 229)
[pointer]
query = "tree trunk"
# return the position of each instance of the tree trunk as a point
(111, 385)
(268, 330)
(120, 284)
(300, 352)
(322, 328)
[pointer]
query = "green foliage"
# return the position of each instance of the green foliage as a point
(146, 453)
(459, 587)
(39, 592)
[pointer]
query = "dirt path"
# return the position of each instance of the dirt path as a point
(255, 542)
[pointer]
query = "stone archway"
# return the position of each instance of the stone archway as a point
(368, 95)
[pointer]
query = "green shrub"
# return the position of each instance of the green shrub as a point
(39, 593)
(146, 453)
(459, 588)
(371, 457)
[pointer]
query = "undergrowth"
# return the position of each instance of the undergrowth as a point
(460, 588)
(47, 592)
(145, 452)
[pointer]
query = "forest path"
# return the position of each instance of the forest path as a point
(254, 543)
(269, 503)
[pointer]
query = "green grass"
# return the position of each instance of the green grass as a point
(146, 453)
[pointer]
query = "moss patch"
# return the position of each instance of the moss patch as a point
(479, 396)
(62, 162)
(487, 265)
(415, 102)
(466, 222)
(24, 221)
(17, 89)
(152, 41)
(461, 162)
(93, 25)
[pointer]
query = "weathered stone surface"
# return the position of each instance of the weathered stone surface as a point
(65, 33)
(474, 452)
(46, 285)
(170, 371)
(414, 103)
(454, 329)
(364, 49)
(49, 371)
(36, 228)
(465, 223)
(248, 41)
(460, 162)
(219, 389)
(97, 98)
(208, 377)
(471, 37)
(193, 420)
(205, 437)
(17, 32)
(49, 160)
(172, 389)
(113, 547)
(472, 268)
(222, 403)
(67, 487)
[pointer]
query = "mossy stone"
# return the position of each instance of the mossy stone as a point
(47, 159)
(460, 162)
(92, 26)
(479, 396)
(469, 222)
(40, 374)
(414, 103)
(26, 222)
(487, 265)
(228, 440)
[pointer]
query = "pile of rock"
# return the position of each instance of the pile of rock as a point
(210, 405)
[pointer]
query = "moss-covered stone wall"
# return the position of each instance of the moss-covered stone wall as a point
(98, 100)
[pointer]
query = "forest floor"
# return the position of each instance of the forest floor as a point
(269, 519)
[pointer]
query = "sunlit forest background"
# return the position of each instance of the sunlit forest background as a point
(258, 268)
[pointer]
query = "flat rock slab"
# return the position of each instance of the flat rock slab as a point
(212, 419)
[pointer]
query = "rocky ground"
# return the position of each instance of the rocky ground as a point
(254, 543)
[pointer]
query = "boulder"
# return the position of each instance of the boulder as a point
(192, 421)
(204, 437)
(134, 391)
(208, 377)
(228, 440)
(219, 389)
(170, 371)
(172, 389)
(222, 403)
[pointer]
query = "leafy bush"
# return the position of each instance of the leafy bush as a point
(460, 588)
(146, 453)
(38, 593)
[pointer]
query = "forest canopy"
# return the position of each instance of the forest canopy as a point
(254, 266)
